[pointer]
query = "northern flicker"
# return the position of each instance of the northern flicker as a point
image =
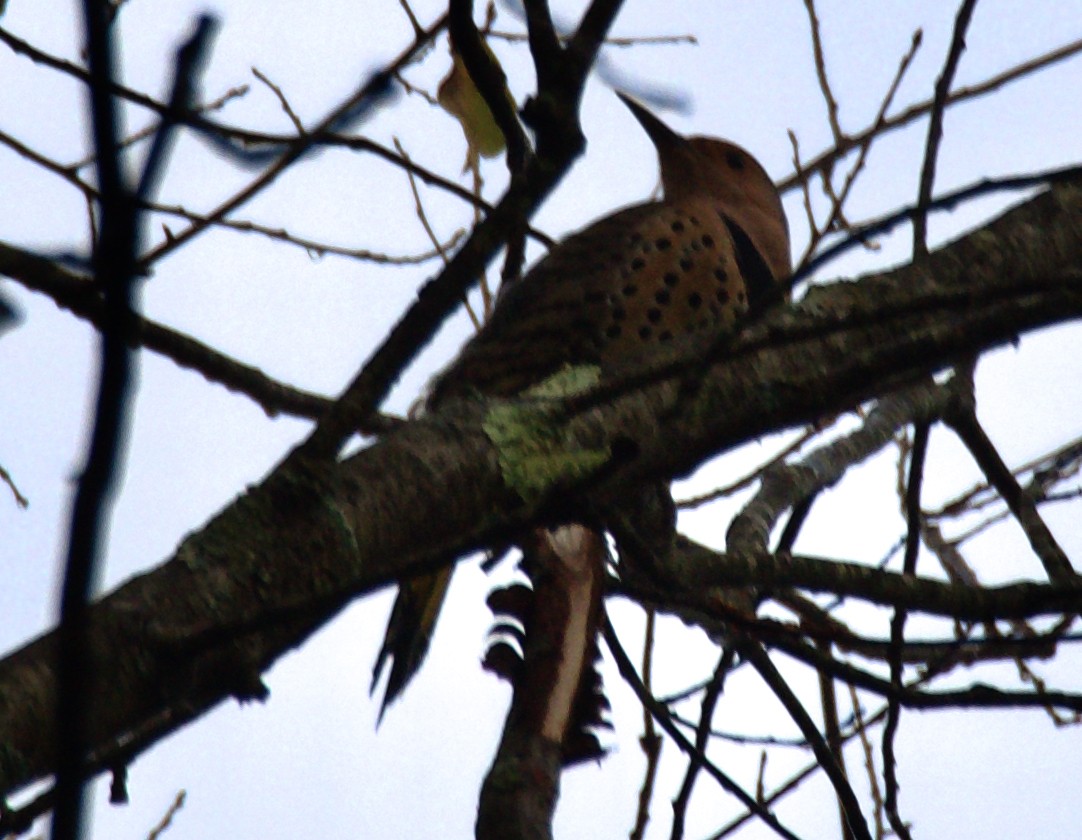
(714, 248)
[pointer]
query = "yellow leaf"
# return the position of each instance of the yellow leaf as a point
(459, 97)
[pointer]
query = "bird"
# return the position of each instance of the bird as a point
(713, 249)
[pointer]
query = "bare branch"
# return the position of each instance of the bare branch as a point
(847, 799)
(20, 499)
(286, 107)
(821, 74)
(917, 456)
(661, 715)
(826, 160)
(368, 94)
(784, 485)
(963, 421)
(702, 733)
(650, 740)
(75, 293)
(935, 134)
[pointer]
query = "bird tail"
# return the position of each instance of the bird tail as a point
(544, 642)
(409, 631)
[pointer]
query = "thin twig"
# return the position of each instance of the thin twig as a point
(702, 734)
(314, 246)
(661, 715)
(963, 421)
(362, 101)
(143, 134)
(897, 626)
(826, 160)
(847, 799)
(821, 74)
(650, 741)
(836, 219)
(20, 499)
(977, 695)
(860, 728)
(832, 732)
(418, 30)
(1049, 469)
(740, 738)
(76, 294)
(935, 125)
(750, 478)
(629, 41)
(423, 217)
(167, 817)
(282, 100)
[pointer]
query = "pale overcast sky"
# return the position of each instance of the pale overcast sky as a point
(309, 762)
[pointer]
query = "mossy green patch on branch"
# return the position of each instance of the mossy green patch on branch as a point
(531, 437)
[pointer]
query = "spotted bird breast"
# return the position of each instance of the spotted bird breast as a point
(611, 293)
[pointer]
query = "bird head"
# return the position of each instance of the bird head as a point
(727, 174)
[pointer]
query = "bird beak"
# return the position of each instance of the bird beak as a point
(660, 134)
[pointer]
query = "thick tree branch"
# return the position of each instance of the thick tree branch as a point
(697, 576)
(784, 485)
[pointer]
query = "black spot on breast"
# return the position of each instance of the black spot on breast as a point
(629, 290)
(707, 240)
(664, 335)
(694, 220)
(618, 313)
(686, 264)
(663, 244)
(722, 296)
(662, 296)
(612, 331)
(638, 264)
(644, 332)
(695, 300)
(653, 315)
(671, 279)
(677, 226)
(720, 275)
